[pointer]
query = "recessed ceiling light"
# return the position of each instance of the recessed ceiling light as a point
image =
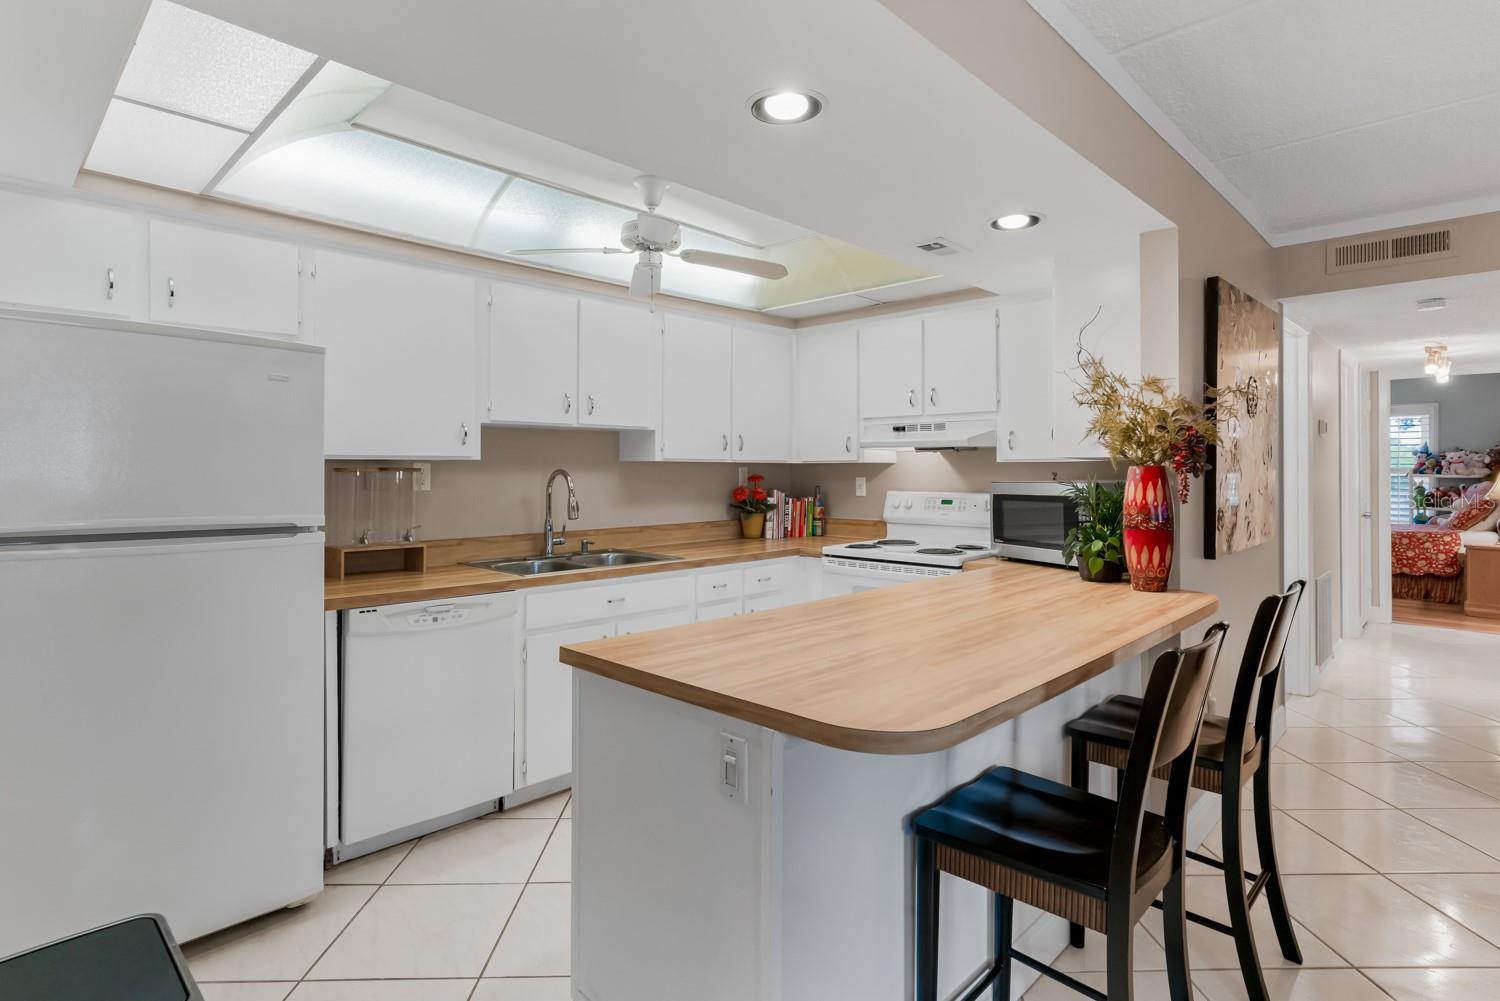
(1016, 220)
(1428, 305)
(786, 107)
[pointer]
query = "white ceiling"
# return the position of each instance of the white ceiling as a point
(1382, 327)
(910, 146)
(1316, 118)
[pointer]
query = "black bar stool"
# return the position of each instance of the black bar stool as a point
(1082, 857)
(1230, 752)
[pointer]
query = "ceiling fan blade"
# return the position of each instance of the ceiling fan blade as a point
(568, 250)
(729, 262)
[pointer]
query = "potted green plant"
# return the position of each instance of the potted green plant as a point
(1097, 541)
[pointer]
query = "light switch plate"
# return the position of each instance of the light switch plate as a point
(859, 486)
(734, 767)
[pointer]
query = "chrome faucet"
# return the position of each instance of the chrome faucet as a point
(548, 538)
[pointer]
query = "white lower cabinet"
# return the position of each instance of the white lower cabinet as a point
(656, 620)
(547, 723)
(720, 610)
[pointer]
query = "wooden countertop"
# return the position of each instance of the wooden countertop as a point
(457, 580)
(902, 670)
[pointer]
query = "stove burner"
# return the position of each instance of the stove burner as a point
(896, 542)
(861, 545)
(938, 552)
(970, 547)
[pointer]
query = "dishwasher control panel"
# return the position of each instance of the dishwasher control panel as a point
(437, 616)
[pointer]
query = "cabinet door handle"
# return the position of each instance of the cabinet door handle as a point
(591, 403)
(848, 443)
(171, 293)
(726, 442)
(1010, 440)
(567, 403)
(911, 398)
(109, 283)
(742, 442)
(465, 429)
(932, 396)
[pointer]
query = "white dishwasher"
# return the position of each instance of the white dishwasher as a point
(428, 711)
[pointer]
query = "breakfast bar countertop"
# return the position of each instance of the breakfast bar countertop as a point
(902, 670)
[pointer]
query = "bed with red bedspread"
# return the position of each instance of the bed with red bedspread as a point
(1426, 564)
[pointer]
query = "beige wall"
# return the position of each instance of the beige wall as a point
(1324, 468)
(501, 494)
(1010, 47)
(1301, 268)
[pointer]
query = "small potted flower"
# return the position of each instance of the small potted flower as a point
(752, 502)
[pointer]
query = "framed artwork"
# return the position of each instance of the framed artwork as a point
(1243, 348)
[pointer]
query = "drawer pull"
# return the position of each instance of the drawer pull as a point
(613, 601)
(721, 585)
(762, 580)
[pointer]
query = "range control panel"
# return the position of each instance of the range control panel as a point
(961, 509)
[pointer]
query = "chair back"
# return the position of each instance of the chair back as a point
(1254, 701)
(1166, 734)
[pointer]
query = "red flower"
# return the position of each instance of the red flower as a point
(741, 494)
(756, 478)
(758, 494)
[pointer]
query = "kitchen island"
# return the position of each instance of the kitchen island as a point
(742, 785)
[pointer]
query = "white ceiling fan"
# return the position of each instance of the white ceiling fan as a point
(650, 236)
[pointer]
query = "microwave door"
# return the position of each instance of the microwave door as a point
(1033, 527)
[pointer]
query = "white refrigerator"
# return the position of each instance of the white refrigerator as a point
(161, 629)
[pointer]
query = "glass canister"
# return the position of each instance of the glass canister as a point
(352, 506)
(395, 489)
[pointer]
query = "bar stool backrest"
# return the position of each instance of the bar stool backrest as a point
(1166, 734)
(1260, 672)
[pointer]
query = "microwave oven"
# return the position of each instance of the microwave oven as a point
(1031, 520)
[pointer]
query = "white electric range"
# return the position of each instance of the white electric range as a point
(927, 535)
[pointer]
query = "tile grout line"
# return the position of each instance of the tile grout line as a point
(303, 979)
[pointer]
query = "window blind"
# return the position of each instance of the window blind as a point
(1408, 432)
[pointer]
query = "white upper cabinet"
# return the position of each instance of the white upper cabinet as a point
(828, 396)
(69, 255)
(533, 356)
(890, 369)
(1026, 383)
(619, 365)
(696, 413)
(762, 395)
(958, 360)
(403, 360)
(1105, 280)
(213, 278)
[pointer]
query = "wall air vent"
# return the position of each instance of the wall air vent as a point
(1393, 247)
(940, 246)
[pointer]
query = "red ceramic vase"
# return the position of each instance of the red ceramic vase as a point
(1148, 527)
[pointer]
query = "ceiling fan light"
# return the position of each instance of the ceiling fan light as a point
(786, 107)
(1016, 220)
(1442, 376)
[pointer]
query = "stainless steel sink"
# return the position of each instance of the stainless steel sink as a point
(530, 566)
(618, 558)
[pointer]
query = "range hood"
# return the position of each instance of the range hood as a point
(932, 432)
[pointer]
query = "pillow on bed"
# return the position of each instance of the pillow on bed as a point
(1473, 517)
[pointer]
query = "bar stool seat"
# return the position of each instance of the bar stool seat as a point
(1040, 842)
(1109, 726)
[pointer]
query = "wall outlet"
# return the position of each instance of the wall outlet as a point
(424, 476)
(744, 475)
(734, 767)
(859, 486)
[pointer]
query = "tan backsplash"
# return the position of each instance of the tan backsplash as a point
(501, 494)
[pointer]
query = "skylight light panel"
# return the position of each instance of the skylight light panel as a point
(197, 65)
(158, 147)
(371, 181)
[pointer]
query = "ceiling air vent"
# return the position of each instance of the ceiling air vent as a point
(940, 246)
(1393, 247)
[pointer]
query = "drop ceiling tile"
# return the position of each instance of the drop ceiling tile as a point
(199, 65)
(1287, 70)
(158, 147)
(1122, 23)
(1433, 159)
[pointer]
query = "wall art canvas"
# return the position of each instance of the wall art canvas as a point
(1243, 349)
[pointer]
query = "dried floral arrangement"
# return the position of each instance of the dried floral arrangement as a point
(1147, 423)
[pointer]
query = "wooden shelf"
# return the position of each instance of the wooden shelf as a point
(343, 561)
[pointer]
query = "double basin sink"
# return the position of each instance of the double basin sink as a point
(530, 566)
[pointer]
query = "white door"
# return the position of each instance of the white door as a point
(890, 369)
(1024, 419)
(128, 429)
(619, 365)
(533, 356)
(828, 396)
(428, 714)
(696, 387)
(212, 278)
(958, 358)
(402, 358)
(762, 395)
(69, 255)
(548, 722)
(161, 733)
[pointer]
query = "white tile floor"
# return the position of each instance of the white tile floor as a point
(1387, 790)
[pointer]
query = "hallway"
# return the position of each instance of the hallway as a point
(1387, 788)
